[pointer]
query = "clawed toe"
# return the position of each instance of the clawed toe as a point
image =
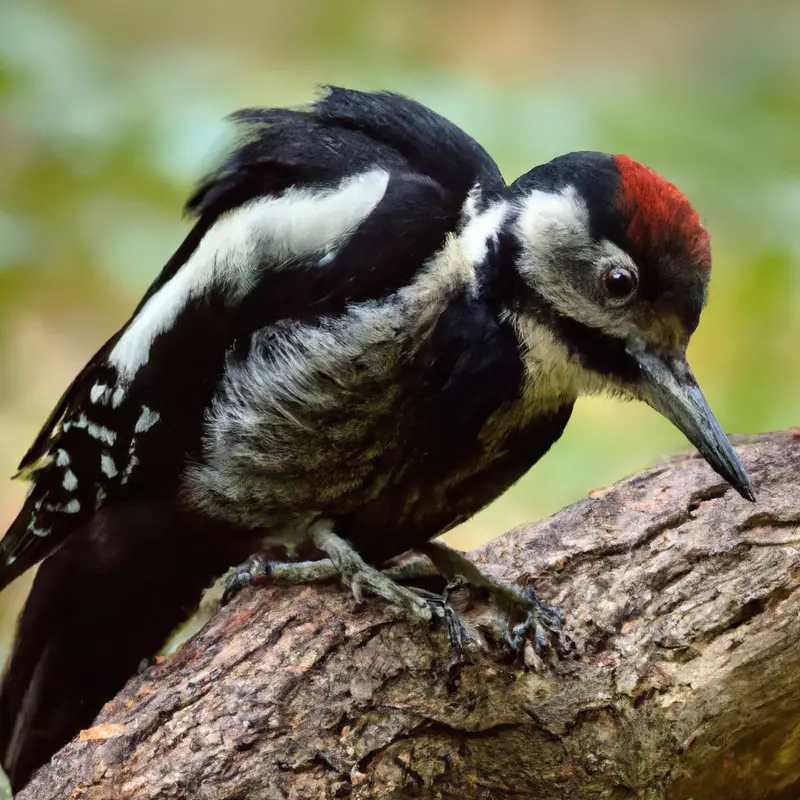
(254, 572)
(363, 578)
(526, 617)
(542, 624)
(459, 636)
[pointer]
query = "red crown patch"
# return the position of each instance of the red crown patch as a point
(661, 218)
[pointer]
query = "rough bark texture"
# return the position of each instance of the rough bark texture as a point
(681, 598)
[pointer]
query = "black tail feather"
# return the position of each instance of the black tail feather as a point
(19, 553)
(107, 599)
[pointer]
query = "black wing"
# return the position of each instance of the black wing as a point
(127, 425)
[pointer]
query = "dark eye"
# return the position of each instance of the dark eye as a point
(619, 283)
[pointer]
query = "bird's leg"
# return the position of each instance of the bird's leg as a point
(535, 616)
(360, 576)
(538, 617)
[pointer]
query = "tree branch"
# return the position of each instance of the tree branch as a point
(681, 598)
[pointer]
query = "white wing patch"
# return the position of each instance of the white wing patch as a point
(99, 432)
(270, 230)
(328, 258)
(133, 462)
(99, 393)
(107, 466)
(146, 420)
(73, 507)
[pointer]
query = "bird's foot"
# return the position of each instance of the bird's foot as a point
(539, 623)
(459, 634)
(345, 563)
(526, 617)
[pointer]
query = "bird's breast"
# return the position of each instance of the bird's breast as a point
(393, 433)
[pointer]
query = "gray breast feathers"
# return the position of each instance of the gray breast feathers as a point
(298, 423)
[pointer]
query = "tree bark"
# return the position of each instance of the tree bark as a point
(681, 599)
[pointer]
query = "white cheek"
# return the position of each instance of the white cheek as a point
(556, 240)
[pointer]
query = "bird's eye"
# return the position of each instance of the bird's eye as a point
(619, 283)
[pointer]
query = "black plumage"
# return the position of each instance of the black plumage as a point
(281, 149)
(104, 601)
(365, 335)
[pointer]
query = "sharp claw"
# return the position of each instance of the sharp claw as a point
(457, 633)
(543, 627)
(358, 594)
(254, 572)
(529, 623)
(228, 593)
(542, 640)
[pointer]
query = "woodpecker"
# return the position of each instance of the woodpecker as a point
(366, 337)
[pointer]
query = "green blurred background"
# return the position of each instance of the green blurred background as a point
(110, 110)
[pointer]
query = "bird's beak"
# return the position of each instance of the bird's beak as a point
(671, 389)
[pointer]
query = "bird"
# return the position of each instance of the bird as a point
(367, 336)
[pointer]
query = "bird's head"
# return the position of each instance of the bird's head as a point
(613, 265)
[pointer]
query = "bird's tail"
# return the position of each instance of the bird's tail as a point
(18, 551)
(107, 599)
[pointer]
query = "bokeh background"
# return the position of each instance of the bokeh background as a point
(110, 110)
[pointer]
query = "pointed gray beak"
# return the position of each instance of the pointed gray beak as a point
(671, 389)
